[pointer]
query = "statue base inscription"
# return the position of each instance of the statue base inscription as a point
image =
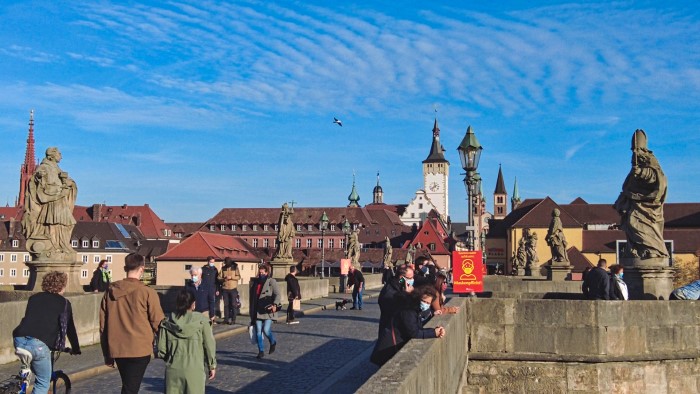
(39, 269)
(280, 267)
(648, 279)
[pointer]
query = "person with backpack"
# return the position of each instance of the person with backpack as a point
(47, 321)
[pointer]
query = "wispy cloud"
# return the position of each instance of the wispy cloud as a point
(28, 54)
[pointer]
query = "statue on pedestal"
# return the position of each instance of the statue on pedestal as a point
(641, 201)
(285, 235)
(388, 250)
(555, 238)
(354, 249)
(520, 256)
(48, 220)
(531, 245)
(410, 254)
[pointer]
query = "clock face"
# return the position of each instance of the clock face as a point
(434, 186)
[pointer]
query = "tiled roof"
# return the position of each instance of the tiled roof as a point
(499, 228)
(151, 226)
(604, 241)
(592, 213)
(10, 212)
(578, 260)
(185, 228)
(202, 244)
(500, 183)
(432, 232)
(541, 215)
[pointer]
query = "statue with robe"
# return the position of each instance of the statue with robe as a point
(555, 238)
(641, 203)
(285, 234)
(388, 250)
(531, 249)
(354, 248)
(48, 219)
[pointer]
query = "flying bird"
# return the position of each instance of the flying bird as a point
(338, 122)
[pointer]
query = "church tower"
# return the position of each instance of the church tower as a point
(378, 193)
(29, 165)
(515, 200)
(436, 170)
(354, 198)
(500, 196)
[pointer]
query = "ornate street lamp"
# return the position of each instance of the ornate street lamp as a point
(323, 225)
(469, 154)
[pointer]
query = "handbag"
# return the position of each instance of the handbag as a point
(60, 343)
(296, 304)
(263, 305)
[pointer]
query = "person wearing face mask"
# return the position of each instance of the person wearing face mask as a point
(210, 279)
(406, 324)
(204, 296)
(101, 278)
(394, 294)
(265, 300)
(618, 288)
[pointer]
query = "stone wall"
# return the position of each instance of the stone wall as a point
(517, 285)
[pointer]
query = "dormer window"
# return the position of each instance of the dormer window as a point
(74, 243)
(255, 227)
(265, 227)
(223, 227)
(332, 227)
(233, 227)
(298, 227)
(244, 227)
(86, 243)
(212, 228)
(95, 244)
(15, 243)
(310, 227)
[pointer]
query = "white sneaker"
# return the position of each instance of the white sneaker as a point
(294, 322)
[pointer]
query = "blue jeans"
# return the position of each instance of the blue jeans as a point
(41, 362)
(357, 295)
(264, 326)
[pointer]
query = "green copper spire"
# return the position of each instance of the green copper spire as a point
(354, 198)
(515, 200)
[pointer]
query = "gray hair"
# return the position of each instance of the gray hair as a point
(195, 270)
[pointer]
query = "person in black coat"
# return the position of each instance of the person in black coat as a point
(204, 295)
(596, 285)
(293, 293)
(394, 294)
(101, 278)
(406, 324)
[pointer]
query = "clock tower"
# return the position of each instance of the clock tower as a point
(436, 170)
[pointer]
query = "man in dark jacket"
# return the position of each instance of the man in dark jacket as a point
(210, 277)
(293, 293)
(358, 282)
(204, 296)
(596, 285)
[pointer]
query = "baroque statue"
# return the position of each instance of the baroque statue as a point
(520, 257)
(285, 234)
(531, 246)
(410, 254)
(48, 220)
(555, 238)
(641, 203)
(354, 248)
(388, 250)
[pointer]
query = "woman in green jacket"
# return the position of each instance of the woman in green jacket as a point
(186, 343)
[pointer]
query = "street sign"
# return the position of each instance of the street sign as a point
(468, 271)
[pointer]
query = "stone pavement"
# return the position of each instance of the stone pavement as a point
(328, 351)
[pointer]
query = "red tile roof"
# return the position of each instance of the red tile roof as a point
(578, 260)
(432, 232)
(142, 216)
(202, 244)
(541, 214)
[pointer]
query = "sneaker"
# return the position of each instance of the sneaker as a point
(261, 354)
(272, 347)
(293, 322)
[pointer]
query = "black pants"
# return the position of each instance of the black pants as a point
(230, 309)
(131, 370)
(290, 310)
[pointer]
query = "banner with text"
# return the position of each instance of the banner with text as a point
(467, 271)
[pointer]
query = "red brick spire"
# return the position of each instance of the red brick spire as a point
(29, 165)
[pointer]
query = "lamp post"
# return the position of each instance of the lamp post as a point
(469, 154)
(323, 225)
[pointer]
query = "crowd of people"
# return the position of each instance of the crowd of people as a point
(599, 283)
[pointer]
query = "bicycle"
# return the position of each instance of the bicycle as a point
(19, 384)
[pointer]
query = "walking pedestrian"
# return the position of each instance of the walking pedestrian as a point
(293, 293)
(204, 294)
(41, 327)
(618, 287)
(101, 278)
(229, 275)
(264, 302)
(186, 344)
(596, 286)
(358, 283)
(130, 315)
(210, 277)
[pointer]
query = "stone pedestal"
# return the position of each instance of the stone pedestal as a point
(558, 271)
(521, 271)
(280, 267)
(39, 268)
(648, 279)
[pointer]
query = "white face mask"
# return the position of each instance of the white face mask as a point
(211, 264)
(195, 278)
(424, 306)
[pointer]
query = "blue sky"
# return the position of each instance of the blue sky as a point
(193, 107)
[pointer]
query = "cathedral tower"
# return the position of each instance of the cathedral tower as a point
(436, 171)
(29, 165)
(378, 193)
(500, 196)
(515, 200)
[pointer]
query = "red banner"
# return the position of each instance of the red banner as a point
(467, 271)
(344, 266)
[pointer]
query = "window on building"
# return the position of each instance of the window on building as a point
(244, 227)
(420, 206)
(413, 215)
(96, 259)
(188, 267)
(320, 243)
(13, 258)
(255, 242)
(500, 209)
(255, 227)
(223, 227)
(298, 227)
(332, 227)
(167, 232)
(86, 243)
(25, 272)
(26, 258)
(15, 243)
(266, 243)
(74, 243)
(95, 244)
(84, 274)
(85, 259)
(310, 227)
(212, 227)
(342, 244)
(233, 227)
(2, 258)
(297, 243)
(265, 227)
(308, 243)
(2, 272)
(354, 226)
(431, 246)
(108, 258)
(277, 227)
(178, 235)
(13, 272)
(331, 243)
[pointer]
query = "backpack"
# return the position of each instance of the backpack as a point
(63, 329)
